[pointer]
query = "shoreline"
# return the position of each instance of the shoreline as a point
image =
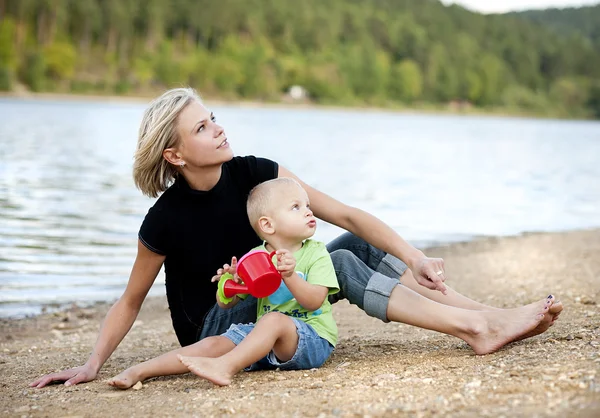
(378, 369)
(433, 109)
(57, 308)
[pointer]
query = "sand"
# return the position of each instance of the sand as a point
(377, 370)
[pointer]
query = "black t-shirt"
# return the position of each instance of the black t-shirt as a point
(198, 232)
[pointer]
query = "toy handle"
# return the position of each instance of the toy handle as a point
(228, 288)
(271, 254)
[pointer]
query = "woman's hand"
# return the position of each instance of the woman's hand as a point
(71, 377)
(429, 272)
(286, 263)
(231, 269)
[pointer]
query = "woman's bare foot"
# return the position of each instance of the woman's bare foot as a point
(126, 379)
(208, 368)
(498, 328)
(550, 317)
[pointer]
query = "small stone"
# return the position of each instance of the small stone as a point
(23, 408)
(473, 384)
(138, 386)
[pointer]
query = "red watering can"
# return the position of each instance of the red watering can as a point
(257, 271)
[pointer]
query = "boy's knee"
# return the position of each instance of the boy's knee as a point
(274, 320)
(273, 317)
(212, 343)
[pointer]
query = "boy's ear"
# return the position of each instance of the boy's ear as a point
(266, 225)
(172, 156)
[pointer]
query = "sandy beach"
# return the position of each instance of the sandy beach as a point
(377, 370)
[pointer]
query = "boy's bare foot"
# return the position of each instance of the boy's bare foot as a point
(550, 317)
(207, 368)
(497, 329)
(125, 379)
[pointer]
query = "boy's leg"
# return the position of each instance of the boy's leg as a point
(274, 331)
(216, 322)
(169, 364)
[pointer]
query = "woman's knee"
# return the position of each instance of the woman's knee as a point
(364, 251)
(341, 258)
(344, 241)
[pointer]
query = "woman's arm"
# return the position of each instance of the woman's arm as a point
(117, 323)
(375, 232)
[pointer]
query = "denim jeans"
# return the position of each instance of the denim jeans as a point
(366, 275)
(312, 350)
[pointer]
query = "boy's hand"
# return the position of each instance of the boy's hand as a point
(227, 269)
(286, 263)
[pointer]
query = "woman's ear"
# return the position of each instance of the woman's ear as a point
(266, 225)
(173, 157)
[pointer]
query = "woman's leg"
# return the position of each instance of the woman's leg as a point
(218, 320)
(484, 331)
(368, 276)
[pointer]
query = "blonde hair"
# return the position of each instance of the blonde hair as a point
(262, 198)
(153, 174)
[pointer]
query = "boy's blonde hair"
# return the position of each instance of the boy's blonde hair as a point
(153, 174)
(262, 198)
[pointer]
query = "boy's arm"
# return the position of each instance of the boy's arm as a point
(227, 305)
(230, 270)
(309, 296)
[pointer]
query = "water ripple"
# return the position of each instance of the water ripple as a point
(69, 211)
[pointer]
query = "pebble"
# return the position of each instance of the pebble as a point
(473, 384)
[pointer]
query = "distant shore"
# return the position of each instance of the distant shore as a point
(449, 109)
(377, 369)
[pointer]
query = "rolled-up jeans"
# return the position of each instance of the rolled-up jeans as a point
(366, 275)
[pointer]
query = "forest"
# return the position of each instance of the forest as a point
(388, 53)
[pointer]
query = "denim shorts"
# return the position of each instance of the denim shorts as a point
(312, 350)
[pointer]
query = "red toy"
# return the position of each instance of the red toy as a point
(257, 271)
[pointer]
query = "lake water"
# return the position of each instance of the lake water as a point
(70, 213)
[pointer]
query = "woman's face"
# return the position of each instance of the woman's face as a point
(202, 143)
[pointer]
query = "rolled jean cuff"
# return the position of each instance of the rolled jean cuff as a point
(391, 266)
(377, 295)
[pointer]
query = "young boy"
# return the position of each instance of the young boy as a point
(295, 328)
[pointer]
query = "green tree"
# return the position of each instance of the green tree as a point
(492, 76)
(60, 59)
(406, 81)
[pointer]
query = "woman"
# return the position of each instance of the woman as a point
(200, 222)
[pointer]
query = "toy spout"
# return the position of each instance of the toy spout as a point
(231, 288)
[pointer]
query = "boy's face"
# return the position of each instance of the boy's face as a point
(291, 215)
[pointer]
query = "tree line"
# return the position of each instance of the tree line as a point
(373, 52)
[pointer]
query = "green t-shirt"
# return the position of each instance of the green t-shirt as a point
(313, 264)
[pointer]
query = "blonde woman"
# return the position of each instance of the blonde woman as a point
(200, 221)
